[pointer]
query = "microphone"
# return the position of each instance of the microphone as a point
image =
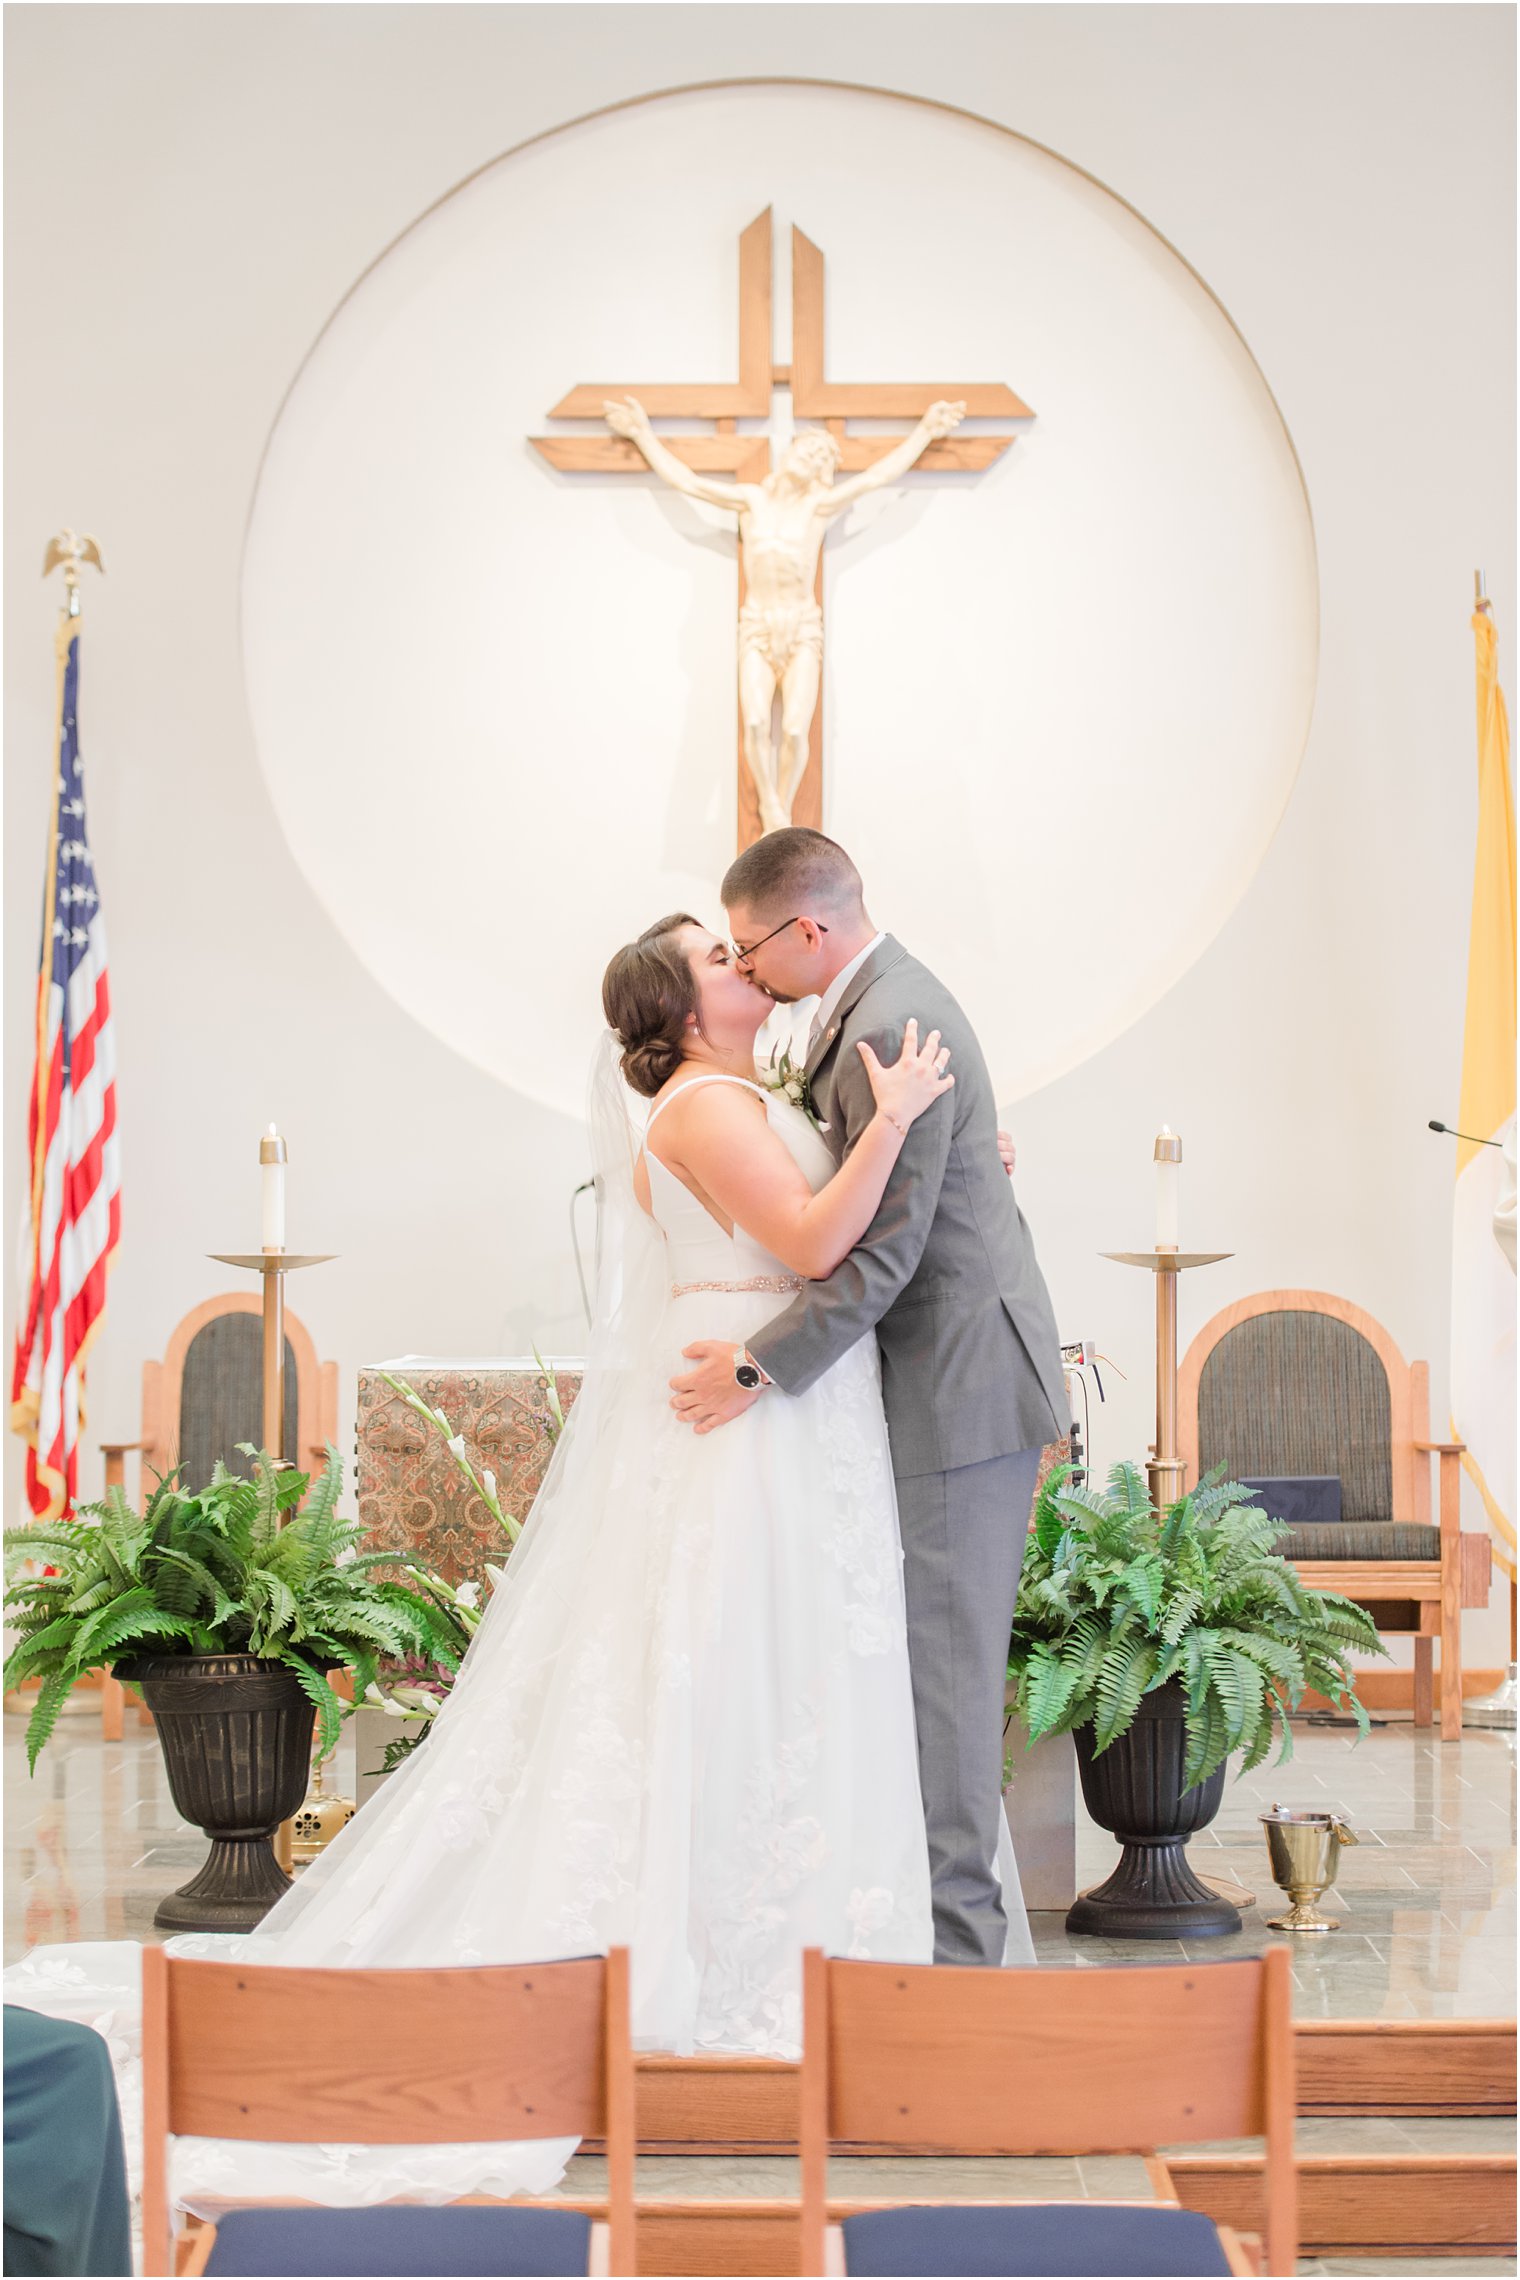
(1437, 1126)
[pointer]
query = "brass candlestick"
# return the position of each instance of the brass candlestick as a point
(274, 1263)
(1166, 1262)
(1165, 1469)
(274, 1266)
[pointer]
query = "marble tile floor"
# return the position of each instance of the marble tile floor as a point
(1426, 1902)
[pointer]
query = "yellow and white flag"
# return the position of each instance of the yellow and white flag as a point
(1483, 1225)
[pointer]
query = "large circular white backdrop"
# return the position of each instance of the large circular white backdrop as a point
(1065, 699)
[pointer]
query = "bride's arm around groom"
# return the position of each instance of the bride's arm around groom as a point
(946, 1273)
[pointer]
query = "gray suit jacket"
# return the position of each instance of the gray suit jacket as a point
(946, 1274)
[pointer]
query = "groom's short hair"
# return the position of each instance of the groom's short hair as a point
(795, 866)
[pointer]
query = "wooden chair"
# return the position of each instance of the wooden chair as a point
(1297, 1382)
(386, 2058)
(944, 2060)
(205, 1396)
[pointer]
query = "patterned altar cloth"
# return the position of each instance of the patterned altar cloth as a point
(413, 1499)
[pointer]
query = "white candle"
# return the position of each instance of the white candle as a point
(1168, 1170)
(272, 1155)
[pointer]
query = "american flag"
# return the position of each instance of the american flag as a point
(73, 1222)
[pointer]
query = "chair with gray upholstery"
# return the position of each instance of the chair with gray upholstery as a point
(205, 1396)
(1297, 1385)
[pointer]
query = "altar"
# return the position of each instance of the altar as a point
(413, 1497)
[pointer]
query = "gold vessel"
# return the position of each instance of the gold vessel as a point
(1305, 1851)
(318, 1820)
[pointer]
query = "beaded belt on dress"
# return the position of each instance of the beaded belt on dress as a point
(755, 1282)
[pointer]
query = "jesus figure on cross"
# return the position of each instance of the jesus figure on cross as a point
(782, 522)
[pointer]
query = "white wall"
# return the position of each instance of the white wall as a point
(191, 191)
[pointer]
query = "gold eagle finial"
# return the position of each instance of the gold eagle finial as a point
(70, 549)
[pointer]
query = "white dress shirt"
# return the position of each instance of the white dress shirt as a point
(828, 1003)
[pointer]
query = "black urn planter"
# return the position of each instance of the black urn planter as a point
(1135, 1789)
(236, 1738)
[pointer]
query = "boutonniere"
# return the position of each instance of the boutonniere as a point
(781, 1074)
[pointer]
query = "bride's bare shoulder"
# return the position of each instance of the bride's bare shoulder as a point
(709, 1093)
(693, 1107)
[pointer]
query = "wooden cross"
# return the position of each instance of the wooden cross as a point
(747, 458)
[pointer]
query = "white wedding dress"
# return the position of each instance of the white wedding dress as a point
(685, 1725)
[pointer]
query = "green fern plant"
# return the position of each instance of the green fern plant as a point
(257, 1567)
(1118, 1598)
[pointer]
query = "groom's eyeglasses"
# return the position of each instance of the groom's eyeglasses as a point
(744, 955)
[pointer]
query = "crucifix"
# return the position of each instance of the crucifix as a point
(783, 509)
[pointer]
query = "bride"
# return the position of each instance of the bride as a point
(685, 1723)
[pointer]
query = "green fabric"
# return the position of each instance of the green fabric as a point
(65, 2175)
(1361, 1540)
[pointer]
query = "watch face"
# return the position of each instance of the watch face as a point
(748, 1376)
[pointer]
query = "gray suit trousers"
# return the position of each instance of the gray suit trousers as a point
(963, 1538)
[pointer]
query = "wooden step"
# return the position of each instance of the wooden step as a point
(1414, 2204)
(1400, 2204)
(739, 2106)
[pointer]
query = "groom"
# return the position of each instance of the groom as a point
(971, 1364)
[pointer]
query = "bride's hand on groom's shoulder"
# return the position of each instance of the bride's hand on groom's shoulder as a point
(904, 1088)
(1006, 1151)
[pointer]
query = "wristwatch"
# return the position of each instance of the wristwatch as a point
(748, 1374)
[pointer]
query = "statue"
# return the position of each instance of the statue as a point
(782, 522)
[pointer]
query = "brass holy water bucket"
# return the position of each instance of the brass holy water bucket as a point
(1305, 1851)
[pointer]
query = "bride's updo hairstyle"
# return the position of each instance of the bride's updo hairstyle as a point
(648, 993)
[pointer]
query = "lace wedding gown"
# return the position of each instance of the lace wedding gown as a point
(685, 1725)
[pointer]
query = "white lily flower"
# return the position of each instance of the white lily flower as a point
(489, 1480)
(456, 1446)
(467, 1595)
(497, 1576)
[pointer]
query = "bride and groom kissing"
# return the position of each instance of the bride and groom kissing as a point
(741, 1690)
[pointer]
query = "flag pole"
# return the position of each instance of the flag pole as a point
(1496, 1710)
(70, 551)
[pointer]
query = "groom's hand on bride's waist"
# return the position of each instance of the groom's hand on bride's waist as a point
(712, 1394)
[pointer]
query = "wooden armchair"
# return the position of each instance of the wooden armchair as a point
(1297, 1382)
(205, 1396)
